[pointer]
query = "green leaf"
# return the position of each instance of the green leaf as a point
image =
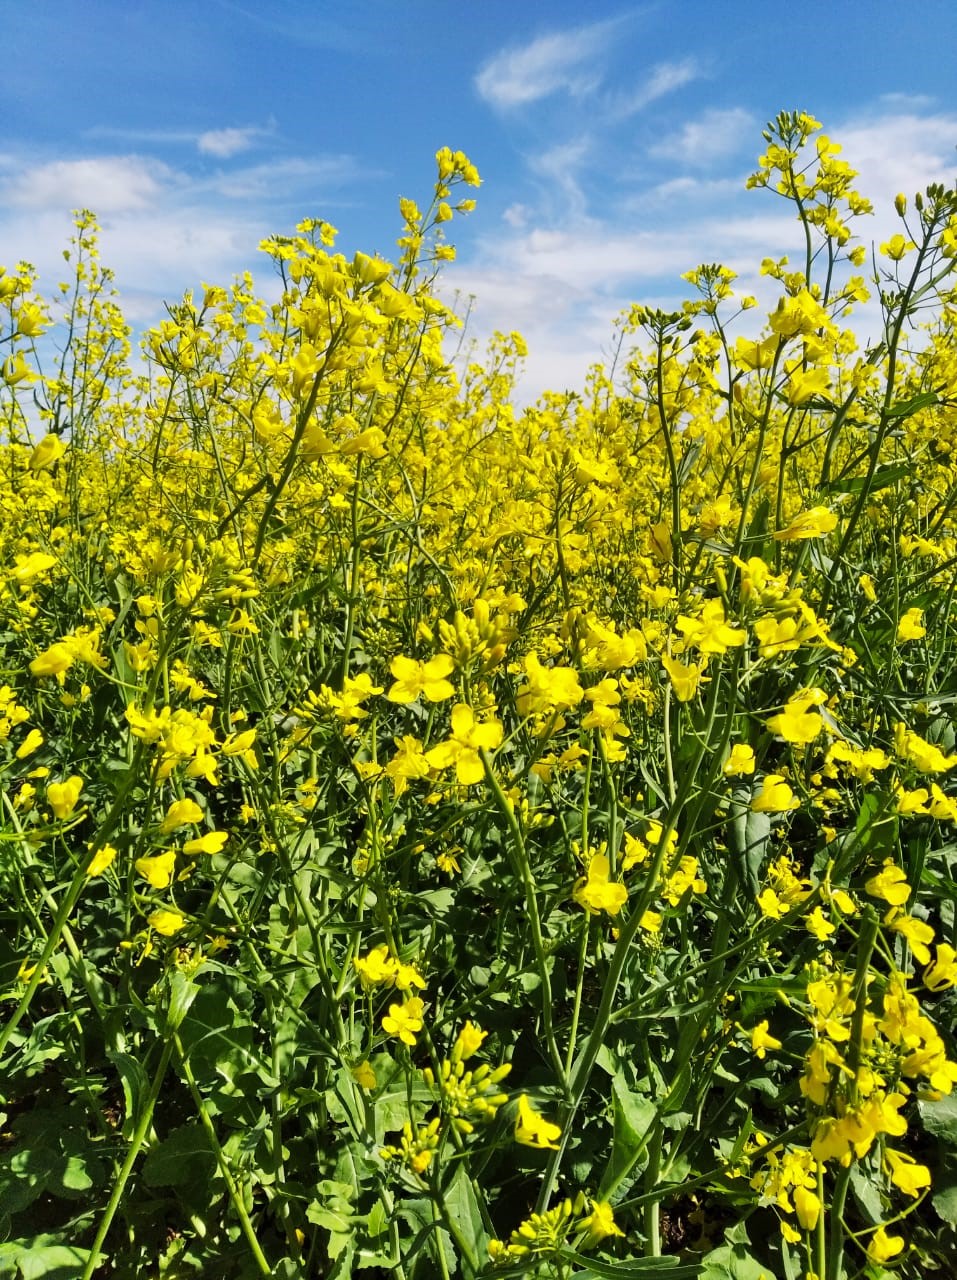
(750, 834)
(904, 408)
(182, 993)
(135, 1085)
(53, 1262)
(182, 1158)
(867, 1193)
(74, 1175)
(883, 477)
(633, 1116)
(940, 1118)
(463, 1206)
(944, 1199)
(643, 1267)
(732, 1262)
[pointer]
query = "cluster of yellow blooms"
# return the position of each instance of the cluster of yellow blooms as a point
(341, 608)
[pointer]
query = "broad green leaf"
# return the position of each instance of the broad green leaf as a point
(182, 992)
(732, 1262)
(52, 1262)
(750, 833)
(135, 1085)
(183, 1157)
(645, 1268)
(904, 408)
(633, 1116)
(883, 477)
(940, 1118)
(463, 1205)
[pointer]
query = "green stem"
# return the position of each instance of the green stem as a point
(232, 1189)
(136, 1142)
(531, 905)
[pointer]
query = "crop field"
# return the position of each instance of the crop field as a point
(447, 839)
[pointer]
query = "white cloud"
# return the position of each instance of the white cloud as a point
(516, 215)
(228, 142)
(560, 278)
(559, 167)
(899, 151)
(285, 176)
(713, 137)
(163, 230)
(222, 143)
(665, 78)
(107, 184)
(561, 61)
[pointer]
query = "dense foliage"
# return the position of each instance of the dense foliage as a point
(443, 840)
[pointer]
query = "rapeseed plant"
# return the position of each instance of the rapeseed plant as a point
(378, 758)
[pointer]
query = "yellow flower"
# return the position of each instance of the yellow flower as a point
(157, 870)
(30, 320)
(414, 678)
(533, 1130)
(882, 1247)
(469, 737)
(181, 813)
(548, 689)
(364, 1076)
(50, 449)
(710, 631)
(740, 761)
(761, 1041)
(808, 524)
(943, 972)
(167, 921)
(807, 1206)
(926, 757)
(596, 893)
(890, 884)
(756, 355)
(775, 795)
(32, 742)
(918, 935)
(53, 661)
(468, 1041)
(405, 1020)
(211, 842)
(684, 679)
(377, 969)
(600, 1223)
(818, 924)
(796, 724)
(866, 584)
(802, 386)
(905, 1173)
(911, 626)
(63, 796)
(102, 859)
(896, 247)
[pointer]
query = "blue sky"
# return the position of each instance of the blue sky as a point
(613, 139)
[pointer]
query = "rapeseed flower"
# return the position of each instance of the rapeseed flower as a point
(532, 1129)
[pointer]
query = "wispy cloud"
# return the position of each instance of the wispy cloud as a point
(165, 229)
(229, 142)
(562, 280)
(713, 137)
(558, 168)
(663, 79)
(222, 143)
(283, 178)
(563, 61)
(110, 184)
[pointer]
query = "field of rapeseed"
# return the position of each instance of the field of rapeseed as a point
(443, 840)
